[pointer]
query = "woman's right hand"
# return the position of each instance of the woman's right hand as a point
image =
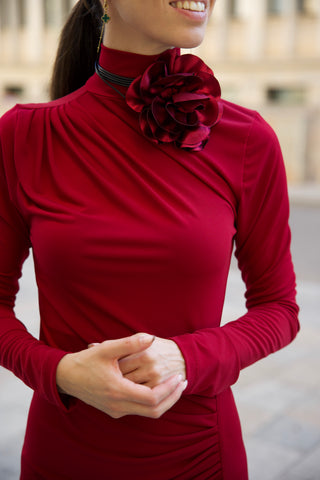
(93, 376)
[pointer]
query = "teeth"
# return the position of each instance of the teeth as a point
(187, 5)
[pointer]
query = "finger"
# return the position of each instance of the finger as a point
(91, 345)
(123, 347)
(151, 383)
(144, 395)
(156, 411)
(147, 376)
(130, 363)
(138, 376)
(169, 401)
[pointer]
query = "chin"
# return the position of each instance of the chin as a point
(189, 42)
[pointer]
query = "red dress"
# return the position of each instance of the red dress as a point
(127, 237)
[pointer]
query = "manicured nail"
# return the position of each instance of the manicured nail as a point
(185, 384)
(146, 338)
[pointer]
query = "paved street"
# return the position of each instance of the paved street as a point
(278, 398)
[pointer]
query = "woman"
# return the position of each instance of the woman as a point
(131, 188)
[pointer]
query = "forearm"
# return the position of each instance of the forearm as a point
(29, 359)
(214, 357)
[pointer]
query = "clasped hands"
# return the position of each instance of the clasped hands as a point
(137, 375)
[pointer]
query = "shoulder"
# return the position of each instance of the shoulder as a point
(247, 146)
(241, 132)
(8, 123)
(8, 120)
(18, 122)
(30, 109)
(239, 118)
(248, 130)
(54, 103)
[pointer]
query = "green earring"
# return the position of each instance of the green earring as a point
(105, 19)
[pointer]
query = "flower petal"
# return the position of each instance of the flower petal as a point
(178, 100)
(162, 116)
(195, 139)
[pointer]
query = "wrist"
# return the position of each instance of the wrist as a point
(181, 364)
(62, 374)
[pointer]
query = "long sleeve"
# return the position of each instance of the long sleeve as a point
(29, 359)
(214, 357)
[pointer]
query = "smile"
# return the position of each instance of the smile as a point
(186, 5)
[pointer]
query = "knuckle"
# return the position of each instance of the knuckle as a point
(154, 401)
(116, 415)
(156, 372)
(114, 408)
(154, 377)
(156, 412)
(142, 357)
(147, 356)
(115, 412)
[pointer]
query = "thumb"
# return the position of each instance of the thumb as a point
(123, 347)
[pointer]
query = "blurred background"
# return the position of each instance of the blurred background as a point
(266, 55)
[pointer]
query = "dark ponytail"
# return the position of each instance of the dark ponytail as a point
(77, 50)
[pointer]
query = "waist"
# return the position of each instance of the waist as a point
(185, 438)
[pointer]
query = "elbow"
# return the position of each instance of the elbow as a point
(291, 312)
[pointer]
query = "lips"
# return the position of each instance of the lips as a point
(190, 5)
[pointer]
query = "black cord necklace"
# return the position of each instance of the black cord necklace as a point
(111, 78)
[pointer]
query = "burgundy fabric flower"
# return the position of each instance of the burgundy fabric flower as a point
(178, 100)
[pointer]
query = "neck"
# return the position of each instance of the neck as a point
(119, 42)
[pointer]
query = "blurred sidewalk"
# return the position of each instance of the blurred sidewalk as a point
(278, 398)
(307, 195)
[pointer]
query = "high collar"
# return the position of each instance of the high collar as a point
(126, 64)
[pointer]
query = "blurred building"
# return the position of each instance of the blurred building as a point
(266, 54)
(29, 32)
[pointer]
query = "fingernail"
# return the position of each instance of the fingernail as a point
(185, 384)
(93, 345)
(179, 378)
(146, 338)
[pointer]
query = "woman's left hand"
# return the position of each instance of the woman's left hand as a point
(160, 361)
